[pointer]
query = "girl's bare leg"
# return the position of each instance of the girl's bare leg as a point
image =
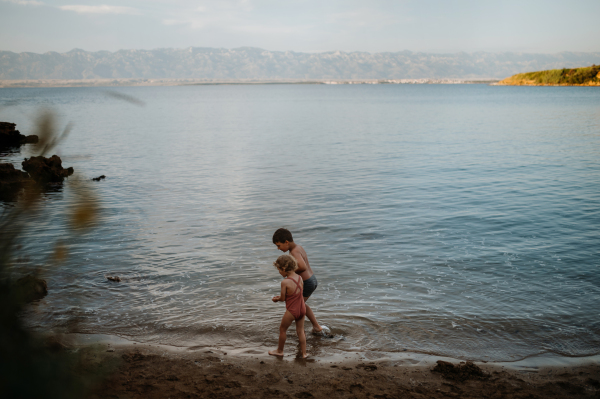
(301, 336)
(286, 321)
(312, 318)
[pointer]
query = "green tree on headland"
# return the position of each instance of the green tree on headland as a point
(587, 76)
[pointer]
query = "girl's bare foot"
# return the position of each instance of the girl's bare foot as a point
(320, 330)
(276, 353)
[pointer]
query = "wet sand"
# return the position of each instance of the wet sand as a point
(136, 370)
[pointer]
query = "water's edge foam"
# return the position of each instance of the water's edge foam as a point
(530, 363)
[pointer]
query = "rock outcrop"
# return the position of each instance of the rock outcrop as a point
(10, 137)
(40, 170)
(11, 180)
(46, 170)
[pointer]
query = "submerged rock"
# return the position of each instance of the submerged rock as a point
(10, 137)
(46, 170)
(99, 178)
(31, 288)
(115, 278)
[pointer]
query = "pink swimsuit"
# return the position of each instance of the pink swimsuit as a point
(295, 302)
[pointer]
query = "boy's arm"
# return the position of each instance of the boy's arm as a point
(301, 265)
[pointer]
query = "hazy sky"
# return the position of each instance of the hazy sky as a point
(541, 26)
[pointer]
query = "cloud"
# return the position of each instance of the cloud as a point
(234, 16)
(102, 9)
(25, 2)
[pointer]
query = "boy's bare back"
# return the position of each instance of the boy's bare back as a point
(304, 269)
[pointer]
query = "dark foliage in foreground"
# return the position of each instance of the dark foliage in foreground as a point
(32, 366)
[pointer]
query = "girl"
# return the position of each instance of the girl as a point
(291, 294)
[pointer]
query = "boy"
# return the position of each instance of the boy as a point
(284, 242)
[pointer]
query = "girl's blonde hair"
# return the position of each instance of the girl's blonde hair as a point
(286, 263)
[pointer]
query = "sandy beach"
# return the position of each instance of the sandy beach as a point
(137, 370)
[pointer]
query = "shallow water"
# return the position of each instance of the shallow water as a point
(456, 220)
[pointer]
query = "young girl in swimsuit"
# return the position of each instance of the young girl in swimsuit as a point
(291, 293)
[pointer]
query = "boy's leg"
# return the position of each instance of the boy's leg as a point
(312, 318)
(286, 321)
(301, 336)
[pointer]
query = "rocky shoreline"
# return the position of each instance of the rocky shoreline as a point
(37, 170)
(11, 137)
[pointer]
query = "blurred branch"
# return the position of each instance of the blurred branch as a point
(84, 213)
(46, 131)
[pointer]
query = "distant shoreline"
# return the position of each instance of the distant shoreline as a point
(32, 83)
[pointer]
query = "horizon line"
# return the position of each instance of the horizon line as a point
(76, 49)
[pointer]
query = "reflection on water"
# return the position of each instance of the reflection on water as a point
(454, 220)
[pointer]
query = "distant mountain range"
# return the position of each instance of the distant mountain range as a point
(255, 63)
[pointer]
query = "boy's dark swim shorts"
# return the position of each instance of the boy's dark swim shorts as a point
(310, 286)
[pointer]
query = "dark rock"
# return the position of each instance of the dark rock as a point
(46, 170)
(462, 372)
(593, 382)
(11, 180)
(10, 137)
(367, 367)
(99, 178)
(31, 288)
(31, 139)
(115, 278)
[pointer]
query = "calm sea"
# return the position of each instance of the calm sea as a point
(458, 220)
